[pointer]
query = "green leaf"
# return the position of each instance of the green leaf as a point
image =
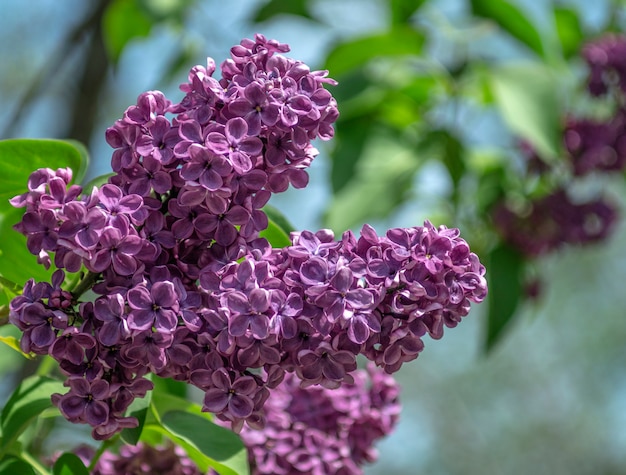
(97, 182)
(163, 402)
(69, 464)
(275, 8)
(569, 30)
(510, 19)
(381, 182)
(166, 10)
(29, 399)
(138, 409)
(223, 449)
(505, 267)
(403, 10)
(401, 41)
(351, 137)
(14, 344)
(529, 100)
(275, 235)
(123, 21)
(17, 263)
(12, 465)
(20, 157)
(169, 386)
(279, 219)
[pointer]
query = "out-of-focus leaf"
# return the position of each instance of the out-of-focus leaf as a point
(382, 180)
(529, 99)
(224, 449)
(400, 41)
(69, 464)
(275, 235)
(97, 181)
(403, 10)
(12, 465)
(123, 21)
(510, 19)
(569, 30)
(20, 157)
(505, 268)
(29, 399)
(138, 409)
(279, 219)
(17, 263)
(350, 139)
(14, 344)
(282, 7)
(170, 10)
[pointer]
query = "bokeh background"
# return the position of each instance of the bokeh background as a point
(549, 394)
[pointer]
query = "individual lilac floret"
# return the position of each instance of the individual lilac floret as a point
(606, 58)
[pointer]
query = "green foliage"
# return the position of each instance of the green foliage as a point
(508, 17)
(124, 20)
(12, 465)
(528, 97)
(30, 398)
(275, 8)
(504, 277)
(69, 464)
(349, 55)
(403, 10)
(220, 447)
(569, 30)
(206, 443)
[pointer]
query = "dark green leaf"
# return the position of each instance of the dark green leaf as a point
(169, 386)
(138, 409)
(222, 447)
(529, 100)
(20, 157)
(279, 219)
(505, 267)
(69, 464)
(31, 397)
(163, 402)
(569, 30)
(510, 19)
(16, 262)
(403, 10)
(401, 41)
(12, 465)
(123, 21)
(274, 8)
(350, 138)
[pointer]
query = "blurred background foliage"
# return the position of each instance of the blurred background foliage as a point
(452, 111)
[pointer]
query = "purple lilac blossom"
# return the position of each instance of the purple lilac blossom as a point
(184, 287)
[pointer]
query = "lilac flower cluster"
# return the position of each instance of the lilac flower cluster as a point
(606, 58)
(311, 430)
(553, 221)
(140, 459)
(183, 286)
(333, 431)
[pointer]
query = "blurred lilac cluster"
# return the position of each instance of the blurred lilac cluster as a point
(180, 283)
(590, 146)
(311, 430)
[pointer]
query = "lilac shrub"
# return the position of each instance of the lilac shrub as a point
(182, 284)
